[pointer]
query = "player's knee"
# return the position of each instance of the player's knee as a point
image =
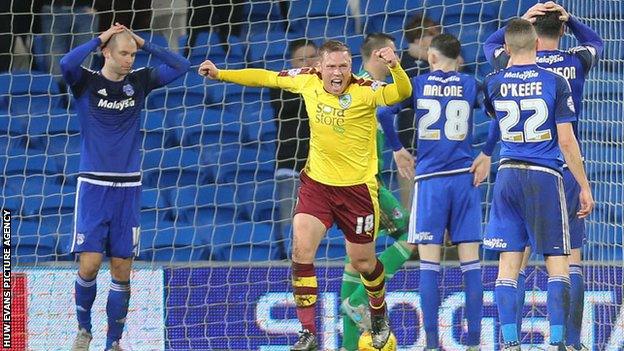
(301, 254)
(557, 266)
(89, 272)
(575, 256)
(364, 265)
(88, 267)
(120, 269)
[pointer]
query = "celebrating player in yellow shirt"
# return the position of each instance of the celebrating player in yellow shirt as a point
(338, 182)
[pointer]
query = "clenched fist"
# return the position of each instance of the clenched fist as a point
(388, 56)
(208, 69)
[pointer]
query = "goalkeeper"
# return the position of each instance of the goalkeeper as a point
(393, 217)
(108, 194)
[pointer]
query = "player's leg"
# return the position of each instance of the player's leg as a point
(122, 248)
(308, 231)
(507, 234)
(473, 287)
(522, 275)
(118, 300)
(313, 217)
(428, 222)
(558, 297)
(430, 292)
(577, 298)
(357, 215)
(506, 295)
(90, 231)
(350, 329)
(465, 230)
(85, 290)
(550, 237)
(393, 221)
(577, 287)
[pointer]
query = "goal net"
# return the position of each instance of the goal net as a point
(215, 240)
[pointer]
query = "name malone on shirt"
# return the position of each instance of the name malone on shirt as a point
(441, 91)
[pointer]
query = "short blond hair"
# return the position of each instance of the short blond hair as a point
(520, 35)
(333, 46)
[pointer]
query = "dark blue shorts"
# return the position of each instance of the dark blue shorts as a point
(445, 202)
(528, 207)
(107, 218)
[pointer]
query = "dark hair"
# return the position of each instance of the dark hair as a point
(374, 41)
(299, 43)
(333, 46)
(420, 26)
(520, 35)
(548, 25)
(447, 45)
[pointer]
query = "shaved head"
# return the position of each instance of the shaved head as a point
(119, 53)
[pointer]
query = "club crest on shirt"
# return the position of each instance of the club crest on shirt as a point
(128, 90)
(344, 100)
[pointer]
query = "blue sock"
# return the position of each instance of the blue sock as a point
(430, 301)
(558, 305)
(116, 310)
(520, 302)
(473, 286)
(506, 298)
(85, 291)
(577, 300)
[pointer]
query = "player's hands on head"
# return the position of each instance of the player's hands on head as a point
(552, 6)
(107, 34)
(405, 163)
(139, 41)
(587, 203)
(387, 55)
(480, 168)
(208, 70)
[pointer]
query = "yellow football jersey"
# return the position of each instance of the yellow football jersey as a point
(342, 128)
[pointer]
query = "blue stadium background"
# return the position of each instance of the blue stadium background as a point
(209, 147)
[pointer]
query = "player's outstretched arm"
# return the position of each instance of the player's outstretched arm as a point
(70, 63)
(572, 155)
(252, 77)
(401, 88)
